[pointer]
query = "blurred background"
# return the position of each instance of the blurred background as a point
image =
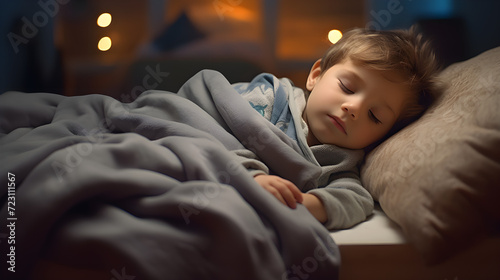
(123, 47)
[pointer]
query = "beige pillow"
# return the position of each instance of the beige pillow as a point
(439, 178)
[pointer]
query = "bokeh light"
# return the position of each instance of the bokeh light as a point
(104, 44)
(334, 36)
(104, 20)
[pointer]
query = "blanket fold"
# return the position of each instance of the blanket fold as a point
(154, 189)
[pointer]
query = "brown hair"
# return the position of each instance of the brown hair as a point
(404, 52)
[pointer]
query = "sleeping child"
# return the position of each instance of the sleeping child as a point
(179, 174)
(366, 87)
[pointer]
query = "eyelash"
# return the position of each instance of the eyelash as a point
(348, 91)
(373, 118)
(344, 88)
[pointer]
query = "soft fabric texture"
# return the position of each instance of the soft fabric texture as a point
(157, 188)
(345, 200)
(439, 178)
(281, 103)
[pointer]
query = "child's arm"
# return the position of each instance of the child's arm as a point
(345, 200)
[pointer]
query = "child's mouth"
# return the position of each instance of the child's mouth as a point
(338, 123)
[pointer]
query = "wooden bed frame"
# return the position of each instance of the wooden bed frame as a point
(377, 249)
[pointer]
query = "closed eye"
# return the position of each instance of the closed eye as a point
(344, 88)
(373, 117)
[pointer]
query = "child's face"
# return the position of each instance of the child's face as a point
(351, 106)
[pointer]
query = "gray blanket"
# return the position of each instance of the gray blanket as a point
(154, 189)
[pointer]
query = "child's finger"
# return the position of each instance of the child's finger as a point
(285, 191)
(294, 190)
(276, 193)
(296, 193)
(286, 188)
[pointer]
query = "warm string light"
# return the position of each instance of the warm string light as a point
(334, 36)
(104, 44)
(104, 20)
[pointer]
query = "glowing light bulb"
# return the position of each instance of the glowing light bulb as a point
(104, 44)
(334, 35)
(104, 20)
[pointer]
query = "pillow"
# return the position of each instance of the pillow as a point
(439, 178)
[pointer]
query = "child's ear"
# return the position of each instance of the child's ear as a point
(314, 75)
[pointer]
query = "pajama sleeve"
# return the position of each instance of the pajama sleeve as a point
(345, 200)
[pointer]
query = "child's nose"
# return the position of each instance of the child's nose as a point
(351, 109)
(353, 106)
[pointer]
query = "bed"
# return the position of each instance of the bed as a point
(378, 249)
(155, 189)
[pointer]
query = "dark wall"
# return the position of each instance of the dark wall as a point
(461, 29)
(29, 60)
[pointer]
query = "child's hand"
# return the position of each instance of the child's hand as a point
(284, 190)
